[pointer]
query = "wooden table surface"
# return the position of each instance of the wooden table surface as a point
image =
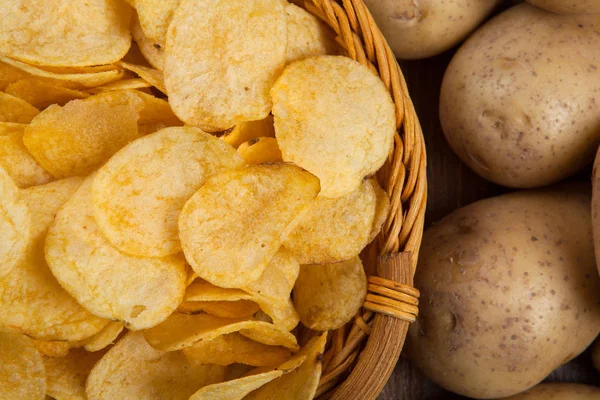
(452, 185)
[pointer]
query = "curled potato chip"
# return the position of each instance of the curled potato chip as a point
(53, 348)
(246, 131)
(18, 163)
(155, 17)
(334, 118)
(132, 369)
(14, 109)
(153, 76)
(10, 74)
(15, 225)
(11, 127)
(79, 137)
(54, 36)
(152, 51)
(66, 375)
(104, 338)
(182, 330)
(217, 226)
(139, 192)
(328, 296)
(22, 374)
(335, 230)
(260, 151)
(223, 77)
(226, 309)
(41, 94)
(307, 36)
(124, 84)
(95, 273)
(190, 275)
(235, 348)
(382, 209)
(200, 290)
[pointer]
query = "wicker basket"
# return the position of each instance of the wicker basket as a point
(361, 356)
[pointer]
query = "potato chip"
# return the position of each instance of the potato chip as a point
(65, 376)
(155, 17)
(334, 118)
(10, 74)
(124, 84)
(15, 226)
(133, 370)
(335, 230)
(190, 275)
(182, 330)
(52, 348)
(14, 109)
(140, 292)
(139, 192)
(18, 163)
(235, 348)
(222, 78)
(81, 33)
(22, 374)
(226, 309)
(235, 371)
(104, 338)
(300, 384)
(218, 226)
(328, 296)
(200, 290)
(11, 127)
(76, 139)
(153, 76)
(41, 94)
(246, 131)
(382, 209)
(152, 51)
(237, 389)
(307, 36)
(260, 151)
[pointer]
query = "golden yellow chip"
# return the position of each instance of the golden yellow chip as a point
(10, 74)
(76, 139)
(65, 376)
(17, 161)
(260, 151)
(140, 292)
(41, 94)
(22, 374)
(222, 77)
(200, 290)
(104, 338)
(52, 348)
(152, 51)
(328, 296)
(124, 84)
(307, 36)
(235, 348)
(15, 225)
(190, 275)
(11, 127)
(78, 34)
(246, 131)
(14, 109)
(182, 330)
(300, 384)
(334, 118)
(153, 76)
(155, 17)
(382, 209)
(335, 230)
(132, 369)
(218, 226)
(226, 309)
(139, 192)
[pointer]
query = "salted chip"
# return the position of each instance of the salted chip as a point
(235, 348)
(124, 84)
(181, 330)
(52, 348)
(260, 151)
(155, 17)
(218, 226)
(10, 74)
(237, 389)
(334, 118)
(104, 338)
(222, 78)
(335, 230)
(153, 76)
(307, 36)
(140, 292)
(66, 375)
(328, 296)
(22, 374)
(14, 109)
(15, 226)
(152, 51)
(17, 161)
(11, 127)
(41, 94)
(226, 309)
(132, 369)
(139, 193)
(200, 290)
(382, 209)
(191, 276)
(249, 130)
(83, 33)
(300, 384)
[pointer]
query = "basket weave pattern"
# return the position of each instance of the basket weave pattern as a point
(361, 356)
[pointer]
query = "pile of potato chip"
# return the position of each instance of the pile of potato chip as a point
(161, 200)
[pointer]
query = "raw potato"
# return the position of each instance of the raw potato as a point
(559, 391)
(19, 164)
(568, 6)
(22, 374)
(307, 35)
(334, 118)
(509, 292)
(520, 101)
(423, 28)
(223, 77)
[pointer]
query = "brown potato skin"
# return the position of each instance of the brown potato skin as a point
(559, 391)
(520, 100)
(423, 28)
(596, 207)
(568, 6)
(509, 292)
